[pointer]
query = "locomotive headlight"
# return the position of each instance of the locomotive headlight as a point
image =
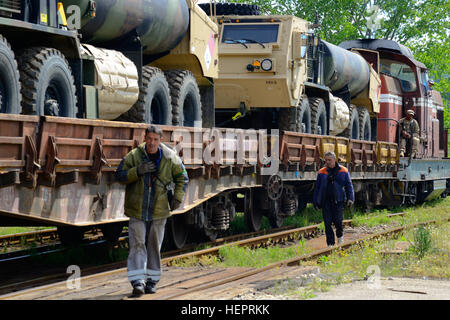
(266, 64)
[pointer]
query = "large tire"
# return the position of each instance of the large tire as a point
(365, 127)
(10, 97)
(154, 104)
(319, 120)
(296, 119)
(208, 111)
(230, 8)
(352, 131)
(46, 76)
(186, 100)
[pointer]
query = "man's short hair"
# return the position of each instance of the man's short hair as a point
(153, 129)
(330, 154)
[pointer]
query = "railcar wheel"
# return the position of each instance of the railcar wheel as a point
(253, 214)
(47, 83)
(10, 97)
(70, 235)
(112, 231)
(275, 215)
(253, 220)
(177, 231)
(366, 203)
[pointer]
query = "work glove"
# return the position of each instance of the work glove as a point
(175, 204)
(350, 203)
(146, 167)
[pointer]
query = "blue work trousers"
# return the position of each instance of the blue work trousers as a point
(333, 213)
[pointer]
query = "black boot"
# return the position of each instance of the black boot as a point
(138, 289)
(150, 287)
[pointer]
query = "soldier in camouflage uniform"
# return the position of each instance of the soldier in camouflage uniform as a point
(409, 130)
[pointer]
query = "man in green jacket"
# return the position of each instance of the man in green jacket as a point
(148, 171)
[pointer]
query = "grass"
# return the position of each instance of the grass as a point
(432, 262)
(260, 257)
(427, 256)
(358, 262)
(14, 230)
(235, 256)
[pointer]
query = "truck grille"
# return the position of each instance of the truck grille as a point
(7, 7)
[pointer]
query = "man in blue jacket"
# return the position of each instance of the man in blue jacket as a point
(333, 187)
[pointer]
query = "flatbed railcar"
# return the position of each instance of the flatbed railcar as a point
(57, 81)
(60, 171)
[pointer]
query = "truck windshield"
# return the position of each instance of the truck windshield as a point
(255, 33)
(401, 71)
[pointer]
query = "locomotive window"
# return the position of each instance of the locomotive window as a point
(263, 33)
(402, 71)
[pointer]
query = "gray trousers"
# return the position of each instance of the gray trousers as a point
(144, 259)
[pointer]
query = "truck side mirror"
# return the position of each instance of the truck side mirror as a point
(299, 46)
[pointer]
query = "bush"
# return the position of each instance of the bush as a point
(422, 241)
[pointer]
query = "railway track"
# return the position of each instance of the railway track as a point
(23, 238)
(94, 239)
(256, 239)
(239, 275)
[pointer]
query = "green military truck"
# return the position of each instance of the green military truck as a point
(140, 61)
(275, 73)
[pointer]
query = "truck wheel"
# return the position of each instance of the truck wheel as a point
(186, 101)
(47, 83)
(237, 9)
(365, 128)
(296, 119)
(154, 104)
(319, 121)
(10, 97)
(352, 130)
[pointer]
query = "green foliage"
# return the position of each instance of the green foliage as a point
(246, 257)
(422, 241)
(371, 220)
(307, 217)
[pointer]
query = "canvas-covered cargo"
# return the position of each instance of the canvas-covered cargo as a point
(116, 81)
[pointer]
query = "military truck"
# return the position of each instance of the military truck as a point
(140, 61)
(275, 73)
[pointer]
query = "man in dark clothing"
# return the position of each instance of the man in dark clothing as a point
(330, 196)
